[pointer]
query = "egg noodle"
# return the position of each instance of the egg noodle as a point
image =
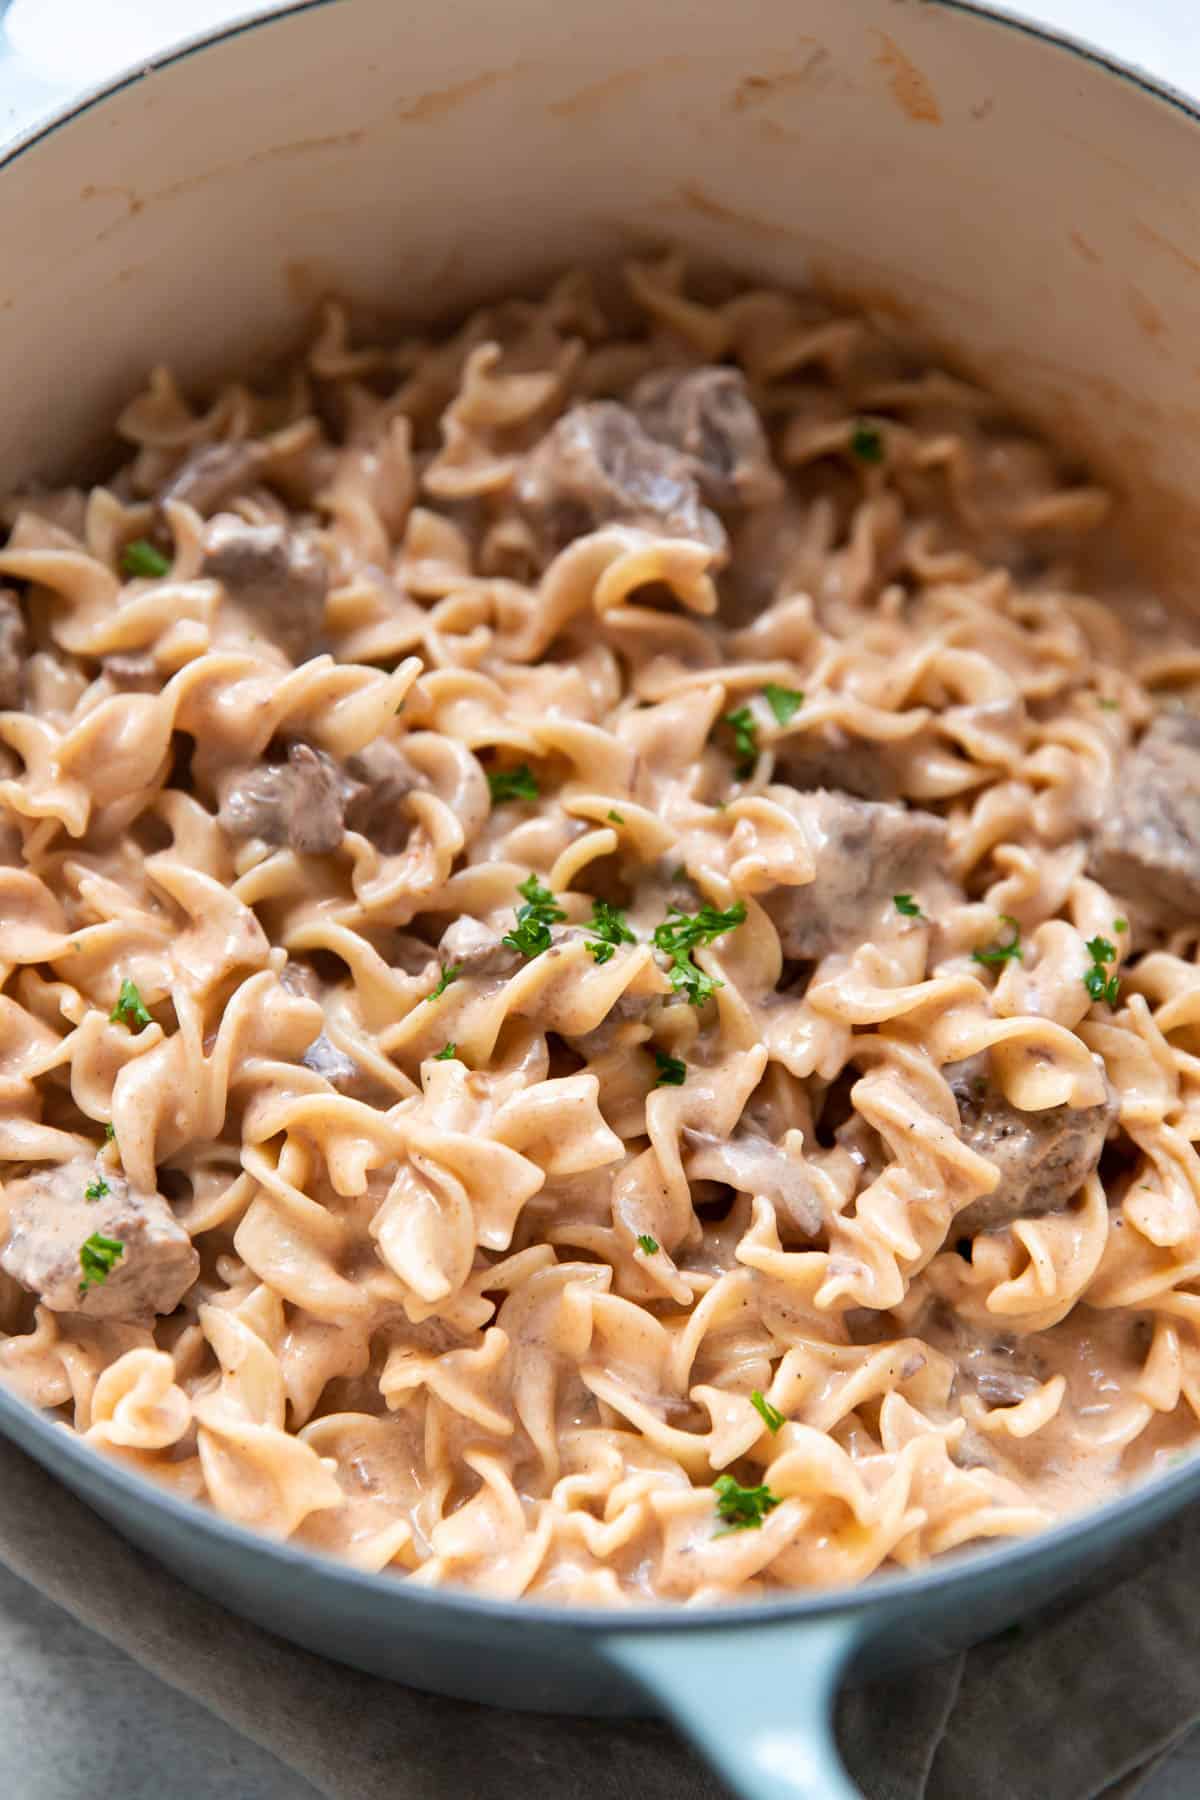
(564, 856)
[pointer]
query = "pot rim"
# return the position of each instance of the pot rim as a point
(19, 1420)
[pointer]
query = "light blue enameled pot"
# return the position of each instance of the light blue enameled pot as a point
(1032, 208)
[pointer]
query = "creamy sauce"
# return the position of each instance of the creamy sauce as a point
(627, 886)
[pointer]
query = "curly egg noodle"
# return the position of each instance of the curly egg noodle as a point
(564, 969)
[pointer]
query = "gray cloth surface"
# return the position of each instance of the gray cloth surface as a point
(1077, 1704)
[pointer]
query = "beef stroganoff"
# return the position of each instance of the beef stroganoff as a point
(600, 994)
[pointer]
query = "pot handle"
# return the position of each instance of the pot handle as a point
(755, 1699)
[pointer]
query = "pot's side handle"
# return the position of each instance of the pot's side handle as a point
(756, 1700)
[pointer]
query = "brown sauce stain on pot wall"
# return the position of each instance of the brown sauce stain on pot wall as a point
(699, 200)
(816, 74)
(910, 88)
(1148, 235)
(440, 101)
(1146, 315)
(597, 94)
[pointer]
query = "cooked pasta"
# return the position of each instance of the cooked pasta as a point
(598, 977)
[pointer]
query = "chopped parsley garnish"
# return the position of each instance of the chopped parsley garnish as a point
(745, 738)
(448, 975)
(648, 1244)
(141, 558)
(695, 986)
(1120, 924)
(682, 931)
(97, 1258)
(770, 1415)
(679, 872)
(1002, 952)
(1098, 982)
(616, 817)
(1109, 705)
(110, 1133)
(96, 1190)
(531, 934)
(904, 903)
(671, 1071)
(679, 934)
(130, 1008)
(513, 784)
(866, 441)
(611, 928)
(742, 1508)
(785, 703)
(447, 1053)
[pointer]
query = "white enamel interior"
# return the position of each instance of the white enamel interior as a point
(1035, 213)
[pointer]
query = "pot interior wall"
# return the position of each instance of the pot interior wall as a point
(1028, 210)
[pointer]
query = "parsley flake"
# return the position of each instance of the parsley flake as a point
(904, 903)
(616, 817)
(678, 936)
(96, 1190)
(671, 1071)
(110, 1133)
(531, 934)
(648, 1244)
(130, 1009)
(784, 702)
(141, 558)
(611, 928)
(1120, 924)
(742, 1508)
(745, 739)
(449, 974)
(447, 1053)
(866, 441)
(1109, 705)
(1098, 982)
(97, 1258)
(770, 1415)
(1001, 953)
(513, 784)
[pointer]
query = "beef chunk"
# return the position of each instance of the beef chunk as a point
(213, 475)
(315, 820)
(312, 799)
(473, 949)
(596, 466)
(278, 577)
(298, 802)
(300, 979)
(865, 853)
(1148, 849)
(14, 648)
(324, 1058)
(832, 758)
(50, 1218)
(1043, 1157)
(380, 777)
(708, 415)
